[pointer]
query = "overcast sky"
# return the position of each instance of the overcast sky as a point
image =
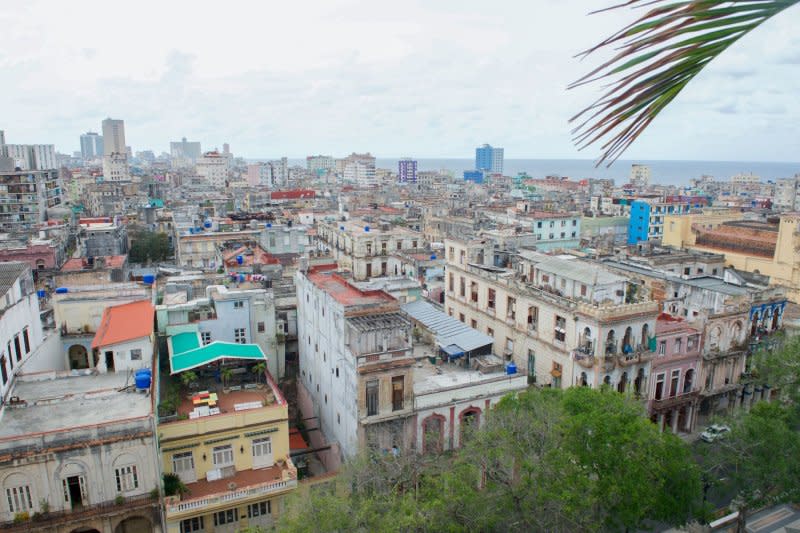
(428, 78)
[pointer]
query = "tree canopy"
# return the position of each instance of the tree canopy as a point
(148, 246)
(546, 460)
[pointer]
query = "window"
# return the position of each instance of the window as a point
(262, 452)
(222, 455)
(226, 517)
(473, 289)
(539, 224)
(662, 347)
(676, 348)
(259, 509)
(238, 304)
(561, 329)
(545, 278)
(511, 308)
(240, 335)
(491, 296)
(17, 348)
(574, 221)
(659, 386)
(673, 386)
(19, 499)
(509, 345)
(398, 389)
(206, 337)
(461, 317)
(261, 327)
(26, 340)
(462, 287)
(127, 478)
(372, 397)
(533, 317)
(3, 369)
(490, 332)
(192, 525)
(583, 290)
(473, 323)
(136, 354)
(451, 281)
(183, 465)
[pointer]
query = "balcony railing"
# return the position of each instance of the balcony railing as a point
(674, 401)
(212, 500)
(586, 360)
(640, 354)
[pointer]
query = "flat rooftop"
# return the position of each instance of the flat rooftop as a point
(66, 402)
(345, 293)
(430, 378)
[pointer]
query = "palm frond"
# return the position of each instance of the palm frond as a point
(656, 57)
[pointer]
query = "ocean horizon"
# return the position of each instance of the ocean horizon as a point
(666, 172)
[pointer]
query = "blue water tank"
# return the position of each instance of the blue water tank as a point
(341, 228)
(239, 259)
(269, 224)
(207, 224)
(62, 290)
(433, 257)
(148, 279)
(41, 293)
(143, 371)
(511, 368)
(143, 381)
(241, 277)
(366, 228)
(191, 231)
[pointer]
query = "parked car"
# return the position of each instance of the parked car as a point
(714, 432)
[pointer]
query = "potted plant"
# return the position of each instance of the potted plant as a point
(259, 369)
(189, 379)
(226, 374)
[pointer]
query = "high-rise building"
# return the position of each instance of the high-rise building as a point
(271, 174)
(407, 171)
(2, 137)
(640, 175)
(31, 156)
(26, 195)
(360, 169)
(115, 151)
(489, 158)
(114, 137)
(91, 146)
(214, 167)
(319, 164)
(184, 153)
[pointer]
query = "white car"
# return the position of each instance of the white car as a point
(714, 432)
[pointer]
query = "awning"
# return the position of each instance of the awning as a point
(215, 351)
(453, 351)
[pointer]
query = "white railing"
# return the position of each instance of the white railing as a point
(221, 498)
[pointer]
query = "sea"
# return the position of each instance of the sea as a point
(666, 172)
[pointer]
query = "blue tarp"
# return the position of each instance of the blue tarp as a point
(453, 351)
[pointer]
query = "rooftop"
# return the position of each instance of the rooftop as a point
(429, 378)
(69, 401)
(9, 273)
(447, 329)
(82, 263)
(124, 322)
(326, 279)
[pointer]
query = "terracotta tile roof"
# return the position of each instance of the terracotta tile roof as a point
(293, 194)
(82, 263)
(124, 322)
(326, 278)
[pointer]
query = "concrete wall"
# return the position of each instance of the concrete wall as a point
(22, 316)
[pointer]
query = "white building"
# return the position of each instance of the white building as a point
(640, 175)
(213, 167)
(360, 169)
(20, 327)
(320, 164)
(114, 137)
(272, 174)
(124, 340)
(31, 156)
(115, 167)
(786, 197)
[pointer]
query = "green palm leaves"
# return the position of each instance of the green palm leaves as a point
(657, 55)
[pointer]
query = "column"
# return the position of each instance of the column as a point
(675, 420)
(689, 418)
(660, 421)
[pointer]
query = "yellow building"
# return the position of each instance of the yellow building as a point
(770, 248)
(224, 432)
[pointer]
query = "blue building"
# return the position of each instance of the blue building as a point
(407, 171)
(489, 159)
(647, 219)
(473, 175)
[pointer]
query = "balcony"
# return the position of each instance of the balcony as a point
(675, 401)
(585, 360)
(640, 354)
(245, 484)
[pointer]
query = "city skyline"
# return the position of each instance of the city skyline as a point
(507, 87)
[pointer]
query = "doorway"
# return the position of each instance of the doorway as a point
(110, 361)
(74, 489)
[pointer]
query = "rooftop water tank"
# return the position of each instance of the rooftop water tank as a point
(433, 257)
(142, 381)
(239, 259)
(269, 224)
(41, 293)
(148, 279)
(62, 290)
(511, 368)
(366, 228)
(207, 223)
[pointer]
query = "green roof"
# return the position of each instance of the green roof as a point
(182, 361)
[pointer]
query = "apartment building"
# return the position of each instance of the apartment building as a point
(25, 196)
(213, 168)
(223, 430)
(563, 321)
(366, 248)
(102, 236)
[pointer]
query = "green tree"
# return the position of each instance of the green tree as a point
(148, 246)
(757, 461)
(779, 366)
(654, 58)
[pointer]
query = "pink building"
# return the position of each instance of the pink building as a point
(43, 255)
(674, 389)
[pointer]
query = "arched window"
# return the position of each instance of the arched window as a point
(583, 382)
(18, 493)
(623, 382)
(645, 335)
(469, 420)
(627, 340)
(611, 343)
(607, 380)
(433, 433)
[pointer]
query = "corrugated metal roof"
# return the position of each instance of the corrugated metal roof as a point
(447, 329)
(9, 272)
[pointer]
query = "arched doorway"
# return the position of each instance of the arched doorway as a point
(470, 419)
(623, 382)
(688, 381)
(433, 433)
(583, 382)
(754, 326)
(611, 343)
(134, 524)
(645, 335)
(78, 357)
(627, 340)
(638, 383)
(775, 317)
(607, 381)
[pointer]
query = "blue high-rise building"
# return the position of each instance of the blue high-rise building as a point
(407, 171)
(489, 159)
(475, 176)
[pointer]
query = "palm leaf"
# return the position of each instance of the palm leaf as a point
(656, 57)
